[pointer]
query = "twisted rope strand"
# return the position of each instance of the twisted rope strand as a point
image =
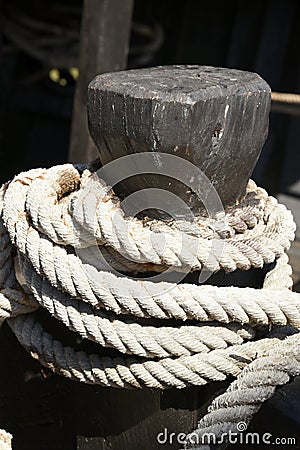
(121, 295)
(13, 301)
(128, 337)
(168, 372)
(179, 250)
(245, 396)
(47, 217)
(5, 440)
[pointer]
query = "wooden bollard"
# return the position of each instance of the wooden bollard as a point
(215, 118)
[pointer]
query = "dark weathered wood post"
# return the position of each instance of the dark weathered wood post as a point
(218, 120)
(104, 44)
(213, 117)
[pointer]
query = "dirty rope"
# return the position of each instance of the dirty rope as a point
(54, 225)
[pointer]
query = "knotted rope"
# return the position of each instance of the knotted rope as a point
(166, 334)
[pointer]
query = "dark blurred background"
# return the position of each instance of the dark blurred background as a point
(39, 69)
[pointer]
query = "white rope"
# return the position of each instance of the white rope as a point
(244, 397)
(48, 214)
(285, 97)
(261, 244)
(128, 337)
(5, 440)
(180, 372)
(65, 271)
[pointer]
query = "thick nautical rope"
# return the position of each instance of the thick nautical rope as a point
(5, 440)
(244, 397)
(167, 334)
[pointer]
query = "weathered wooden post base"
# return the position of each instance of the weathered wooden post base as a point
(213, 117)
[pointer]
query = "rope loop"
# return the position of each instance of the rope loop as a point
(166, 334)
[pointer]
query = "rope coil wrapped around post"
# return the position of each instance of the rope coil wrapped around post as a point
(167, 335)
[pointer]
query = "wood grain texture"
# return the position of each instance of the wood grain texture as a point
(213, 117)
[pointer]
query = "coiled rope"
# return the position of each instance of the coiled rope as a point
(168, 335)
